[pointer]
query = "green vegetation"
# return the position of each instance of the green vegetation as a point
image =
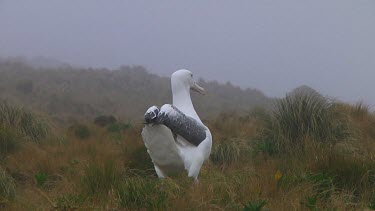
(70, 95)
(227, 152)
(137, 192)
(40, 178)
(103, 121)
(255, 205)
(26, 122)
(99, 179)
(298, 117)
(81, 131)
(8, 140)
(70, 201)
(118, 127)
(7, 186)
(305, 152)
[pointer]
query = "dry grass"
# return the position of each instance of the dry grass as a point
(107, 172)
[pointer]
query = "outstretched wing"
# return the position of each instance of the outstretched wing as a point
(180, 124)
(162, 148)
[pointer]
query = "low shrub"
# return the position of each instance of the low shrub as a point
(81, 131)
(118, 127)
(104, 120)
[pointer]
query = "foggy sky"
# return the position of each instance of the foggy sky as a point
(273, 46)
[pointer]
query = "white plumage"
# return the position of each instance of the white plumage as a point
(171, 153)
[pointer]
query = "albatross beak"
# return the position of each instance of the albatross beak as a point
(198, 89)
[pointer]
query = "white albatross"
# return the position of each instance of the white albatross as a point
(175, 137)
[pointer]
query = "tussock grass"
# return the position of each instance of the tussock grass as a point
(226, 153)
(255, 205)
(102, 174)
(147, 193)
(70, 201)
(100, 178)
(7, 186)
(8, 140)
(348, 172)
(360, 110)
(137, 193)
(81, 131)
(300, 116)
(26, 122)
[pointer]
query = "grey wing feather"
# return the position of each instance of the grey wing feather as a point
(185, 126)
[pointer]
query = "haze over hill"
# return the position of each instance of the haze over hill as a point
(273, 46)
(68, 94)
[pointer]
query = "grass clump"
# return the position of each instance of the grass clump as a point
(360, 110)
(138, 158)
(7, 186)
(323, 185)
(104, 120)
(300, 116)
(146, 193)
(255, 205)
(100, 178)
(24, 121)
(118, 127)
(372, 203)
(225, 153)
(349, 173)
(8, 140)
(311, 203)
(81, 131)
(40, 178)
(70, 201)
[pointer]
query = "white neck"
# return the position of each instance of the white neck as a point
(182, 100)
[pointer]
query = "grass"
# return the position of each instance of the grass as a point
(372, 204)
(70, 201)
(226, 153)
(118, 127)
(139, 193)
(298, 117)
(40, 178)
(7, 187)
(100, 178)
(26, 122)
(255, 205)
(101, 174)
(8, 141)
(81, 131)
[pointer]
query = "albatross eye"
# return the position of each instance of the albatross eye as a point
(191, 74)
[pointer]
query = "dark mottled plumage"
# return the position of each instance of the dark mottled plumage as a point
(185, 126)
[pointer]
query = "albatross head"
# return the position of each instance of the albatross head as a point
(183, 79)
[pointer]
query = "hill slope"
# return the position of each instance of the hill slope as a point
(69, 94)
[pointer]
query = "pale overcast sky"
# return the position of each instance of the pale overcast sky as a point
(273, 46)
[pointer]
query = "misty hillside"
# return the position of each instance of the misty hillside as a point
(69, 94)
